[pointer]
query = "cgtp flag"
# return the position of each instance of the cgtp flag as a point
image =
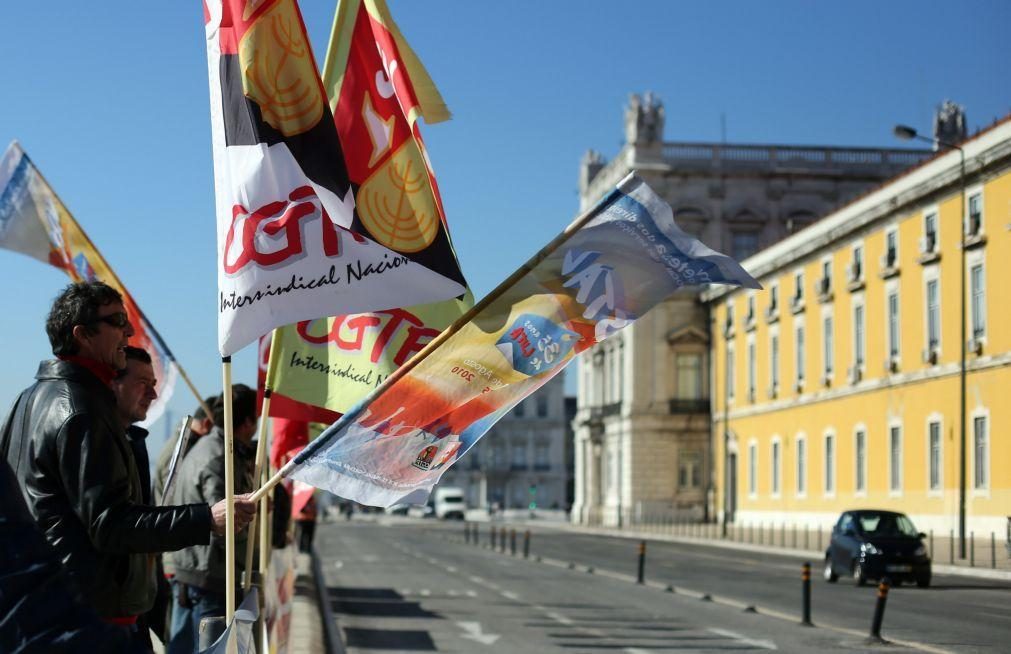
(290, 245)
(377, 90)
(626, 256)
(34, 222)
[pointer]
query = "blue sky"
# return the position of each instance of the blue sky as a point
(110, 100)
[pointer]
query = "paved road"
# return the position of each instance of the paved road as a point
(960, 614)
(415, 586)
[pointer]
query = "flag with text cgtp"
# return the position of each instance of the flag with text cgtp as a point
(377, 90)
(33, 221)
(291, 245)
(626, 256)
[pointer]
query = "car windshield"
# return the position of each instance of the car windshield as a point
(886, 524)
(452, 500)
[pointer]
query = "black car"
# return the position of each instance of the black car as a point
(871, 544)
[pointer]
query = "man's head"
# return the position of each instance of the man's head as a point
(202, 423)
(243, 412)
(88, 319)
(134, 386)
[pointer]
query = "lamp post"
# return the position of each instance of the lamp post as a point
(906, 133)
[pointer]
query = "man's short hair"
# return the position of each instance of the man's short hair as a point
(200, 413)
(243, 406)
(134, 354)
(77, 304)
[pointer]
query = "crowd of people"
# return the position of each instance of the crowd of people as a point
(94, 556)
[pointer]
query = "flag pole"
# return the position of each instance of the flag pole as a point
(457, 325)
(226, 395)
(261, 454)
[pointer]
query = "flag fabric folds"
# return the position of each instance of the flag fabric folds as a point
(291, 244)
(626, 256)
(33, 221)
(377, 89)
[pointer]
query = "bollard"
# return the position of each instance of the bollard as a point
(879, 608)
(502, 540)
(805, 577)
(491, 537)
(972, 549)
(951, 546)
(993, 550)
(512, 542)
(932, 542)
(526, 544)
(641, 579)
(209, 631)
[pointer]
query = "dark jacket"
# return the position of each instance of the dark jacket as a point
(201, 478)
(40, 609)
(81, 484)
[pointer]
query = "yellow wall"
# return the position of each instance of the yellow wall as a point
(917, 390)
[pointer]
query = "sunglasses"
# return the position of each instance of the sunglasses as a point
(118, 319)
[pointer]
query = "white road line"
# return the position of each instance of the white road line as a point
(752, 642)
(425, 592)
(510, 596)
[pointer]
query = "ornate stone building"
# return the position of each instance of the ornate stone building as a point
(642, 425)
(522, 459)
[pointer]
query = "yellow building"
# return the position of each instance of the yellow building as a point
(846, 369)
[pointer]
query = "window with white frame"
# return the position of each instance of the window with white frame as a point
(773, 299)
(519, 459)
(798, 288)
(980, 453)
(827, 346)
(826, 277)
(933, 314)
(774, 360)
(977, 294)
(801, 465)
(860, 459)
(689, 469)
(929, 232)
(743, 244)
(798, 343)
(893, 324)
(829, 464)
(895, 458)
(776, 466)
(857, 264)
(750, 317)
(934, 454)
(751, 369)
(858, 336)
(688, 366)
(891, 258)
(542, 456)
(753, 469)
(730, 372)
(975, 218)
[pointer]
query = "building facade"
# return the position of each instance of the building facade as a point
(839, 385)
(642, 444)
(521, 460)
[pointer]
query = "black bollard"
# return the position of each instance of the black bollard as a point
(502, 540)
(526, 544)
(466, 532)
(641, 579)
(512, 542)
(805, 577)
(879, 608)
(491, 537)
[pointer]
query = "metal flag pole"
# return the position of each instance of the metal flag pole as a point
(226, 396)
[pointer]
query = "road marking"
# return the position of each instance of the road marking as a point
(338, 564)
(477, 580)
(558, 617)
(472, 631)
(425, 592)
(510, 596)
(761, 644)
(471, 593)
(453, 593)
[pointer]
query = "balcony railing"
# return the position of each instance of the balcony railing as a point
(772, 154)
(678, 405)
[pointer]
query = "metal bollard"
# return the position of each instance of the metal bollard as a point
(879, 608)
(972, 549)
(526, 544)
(641, 579)
(502, 540)
(512, 542)
(993, 550)
(805, 577)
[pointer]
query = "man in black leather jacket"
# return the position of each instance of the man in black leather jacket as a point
(76, 470)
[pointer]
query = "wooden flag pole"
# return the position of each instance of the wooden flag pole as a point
(226, 396)
(457, 325)
(261, 455)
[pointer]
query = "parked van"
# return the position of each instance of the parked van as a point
(449, 504)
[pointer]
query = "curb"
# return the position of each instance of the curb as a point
(331, 633)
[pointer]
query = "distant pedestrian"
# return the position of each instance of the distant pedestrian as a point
(200, 425)
(305, 524)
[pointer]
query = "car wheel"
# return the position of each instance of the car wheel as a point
(829, 574)
(858, 574)
(923, 581)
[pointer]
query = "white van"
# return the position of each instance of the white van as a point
(449, 504)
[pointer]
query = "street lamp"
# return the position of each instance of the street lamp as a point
(907, 133)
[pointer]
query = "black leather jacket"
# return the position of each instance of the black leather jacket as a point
(80, 481)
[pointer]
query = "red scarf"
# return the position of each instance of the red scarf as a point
(97, 368)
